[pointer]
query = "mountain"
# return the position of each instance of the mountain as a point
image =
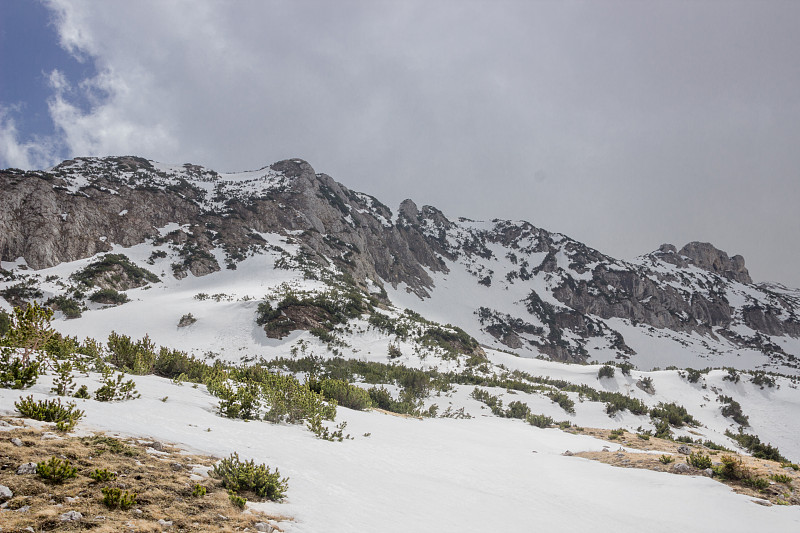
(511, 285)
(403, 369)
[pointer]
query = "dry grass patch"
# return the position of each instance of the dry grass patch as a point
(163, 482)
(786, 492)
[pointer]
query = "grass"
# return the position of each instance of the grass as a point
(157, 485)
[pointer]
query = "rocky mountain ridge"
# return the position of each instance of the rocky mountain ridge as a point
(527, 289)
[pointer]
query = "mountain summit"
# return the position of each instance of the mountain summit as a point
(508, 283)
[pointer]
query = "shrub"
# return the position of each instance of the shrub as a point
(238, 476)
(758, 483)
(733, 410)
(517, 410)
(692, 375)
(55, 470)
(754, 445)
(115, 389)
(540, 421)
(666, 459)
(394, 351)
(199, 491)
(616, 433)
(732, 376)
(69, 306)
(64, 415)
(14, 373)
(761, 379)
(345, 394)
(95, 270)
(562, 399)
(699, 460)
(114, 497)
(620, 402)
(102, 475)
(606, 371)
(136, 357)
(63, 384)
(732, 468)
(109, 296)
(676, 415)
(237, 500)
(781, 478)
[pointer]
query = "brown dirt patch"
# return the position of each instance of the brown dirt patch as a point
(780, 493)
(162, 481)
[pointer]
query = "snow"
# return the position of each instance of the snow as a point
(482, 474)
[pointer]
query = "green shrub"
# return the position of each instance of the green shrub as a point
(758, 483)
(619, 402)
(94, 270)
(606, 371)
(732, 376)
(733, 410)
(540, 421)
(754, 445)
(699, 460)
(102, 475)
(345, 394)
(666, 459)
(237, 500)
(616, 433)
(732, 468)
(14, 373)
(562, 399)
(63, 384)
(114, 497)
(109, 296)
(238, 476)
(781, 478)
(136, 357)
(82, 393)
(199, 491)
(115, 389)
(517, 410)
(55, 470)
(692, 375)
(676, 415)
(64, 415)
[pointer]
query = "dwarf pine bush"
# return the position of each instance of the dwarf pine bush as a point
(666, 459)
(699, 460)
(606, 371)
(14, 373)
(245, 476)
(55, 470)
(64, 415)
(345, 394)
(114, 497)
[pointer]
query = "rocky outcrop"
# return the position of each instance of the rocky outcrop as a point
(706, 256)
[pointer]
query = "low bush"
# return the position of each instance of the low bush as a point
(114, 497)
(343, 393)
(754, 445)
(245, 476)
(733, 410)
(55, 470)
(562, 399)
(666, 459)
(101, 475)
(699, 460)
(14, 372)
(540, 421)
(64, 415)
(676, 415)
(606, 371)
(109, 296)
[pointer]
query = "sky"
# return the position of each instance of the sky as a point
(622, 124)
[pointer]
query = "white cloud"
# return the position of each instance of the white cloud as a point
(646, 122)
(35, 153)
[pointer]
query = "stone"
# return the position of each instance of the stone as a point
(681, 468)
(27, 468)
(16, 442)
(708, 472)
(159, 447)
(165, 523)
(24, 509)
(685, 450)
(5, 493)
(567, 453)
(264, 527)
(70, 516)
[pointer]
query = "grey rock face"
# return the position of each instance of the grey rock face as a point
(685, 450)
(51, 217)
(681, 468)
(70, 516)
(5, 493)
(27, 468)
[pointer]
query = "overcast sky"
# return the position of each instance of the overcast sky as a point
(621, 124)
